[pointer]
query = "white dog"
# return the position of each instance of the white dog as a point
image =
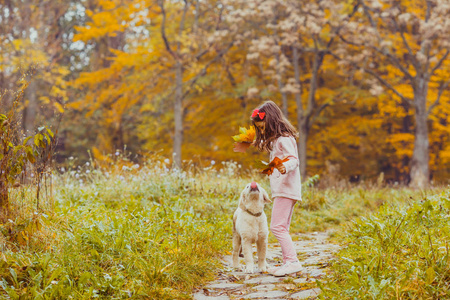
(250, 226)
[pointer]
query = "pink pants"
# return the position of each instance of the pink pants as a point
(279, 225)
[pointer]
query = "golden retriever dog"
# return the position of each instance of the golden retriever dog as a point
(250, 226)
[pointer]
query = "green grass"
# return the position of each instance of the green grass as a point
(142, 232)
(400, 252)
(324, 209)
(147, 232)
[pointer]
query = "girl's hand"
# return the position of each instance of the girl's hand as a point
(281, 168)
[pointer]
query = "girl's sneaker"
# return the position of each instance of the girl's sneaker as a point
(273, 269)
(288, 268)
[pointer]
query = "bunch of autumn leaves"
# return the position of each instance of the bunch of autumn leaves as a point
(245, 139)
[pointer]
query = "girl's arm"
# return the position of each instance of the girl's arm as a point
(288, 149)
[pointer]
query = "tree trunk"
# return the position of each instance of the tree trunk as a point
(178, 115)
(302, 143)
(420, 160)
(284, 107)
(301, 122)
(29, 113)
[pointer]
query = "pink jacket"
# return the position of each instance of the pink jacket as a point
(286, 185)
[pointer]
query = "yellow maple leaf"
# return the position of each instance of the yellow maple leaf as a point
(245, 135)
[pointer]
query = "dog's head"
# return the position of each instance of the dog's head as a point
(254, 195)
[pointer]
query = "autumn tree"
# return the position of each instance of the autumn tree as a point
(404, 47)
(159, 62)
(31, 38)
(289, 44)
(193, 48)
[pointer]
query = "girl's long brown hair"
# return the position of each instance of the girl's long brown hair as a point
(276, 125)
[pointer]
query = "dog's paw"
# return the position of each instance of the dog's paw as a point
(263, 269)
(248, 270)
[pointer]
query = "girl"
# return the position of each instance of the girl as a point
(276, 135)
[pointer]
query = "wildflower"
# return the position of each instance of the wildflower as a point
(213, 163)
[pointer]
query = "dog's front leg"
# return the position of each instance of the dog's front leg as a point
(248, 255)
(236, 249)
(261, 247)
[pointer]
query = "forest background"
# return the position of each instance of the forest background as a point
(364, 81)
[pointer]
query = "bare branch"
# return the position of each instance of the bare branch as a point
(197, 11)
(316, 114)
(205, 68)
(442, 88)
(405, 42)
(425, 47)
(390, 87)
(428, 13)
(349, 42)
(318, 59)
(387, 54)
(407, 101)
(439, 63)
(395, 61)
(163, 30)
(366, 11)
(183, 20)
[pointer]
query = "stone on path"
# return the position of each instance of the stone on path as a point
(200, 296)
(306, 294)
(264, 279)
(266, 295)
(314, 252)
(224, 286)
(264, 287)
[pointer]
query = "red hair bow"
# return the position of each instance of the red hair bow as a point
(261, 115)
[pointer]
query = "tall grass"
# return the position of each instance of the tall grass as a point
(322, 209)
(400, 252)
(130, 231)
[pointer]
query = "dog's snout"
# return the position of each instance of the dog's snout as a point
(253, 186)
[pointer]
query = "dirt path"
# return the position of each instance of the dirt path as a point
(314, 251)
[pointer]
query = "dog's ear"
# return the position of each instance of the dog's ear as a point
(242, 197)
(265, 196)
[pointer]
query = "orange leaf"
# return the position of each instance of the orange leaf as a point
(241, 147)
(273, 164)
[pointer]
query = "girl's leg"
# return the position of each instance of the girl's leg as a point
(279, 225)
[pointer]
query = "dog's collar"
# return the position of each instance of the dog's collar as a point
(253, 214)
